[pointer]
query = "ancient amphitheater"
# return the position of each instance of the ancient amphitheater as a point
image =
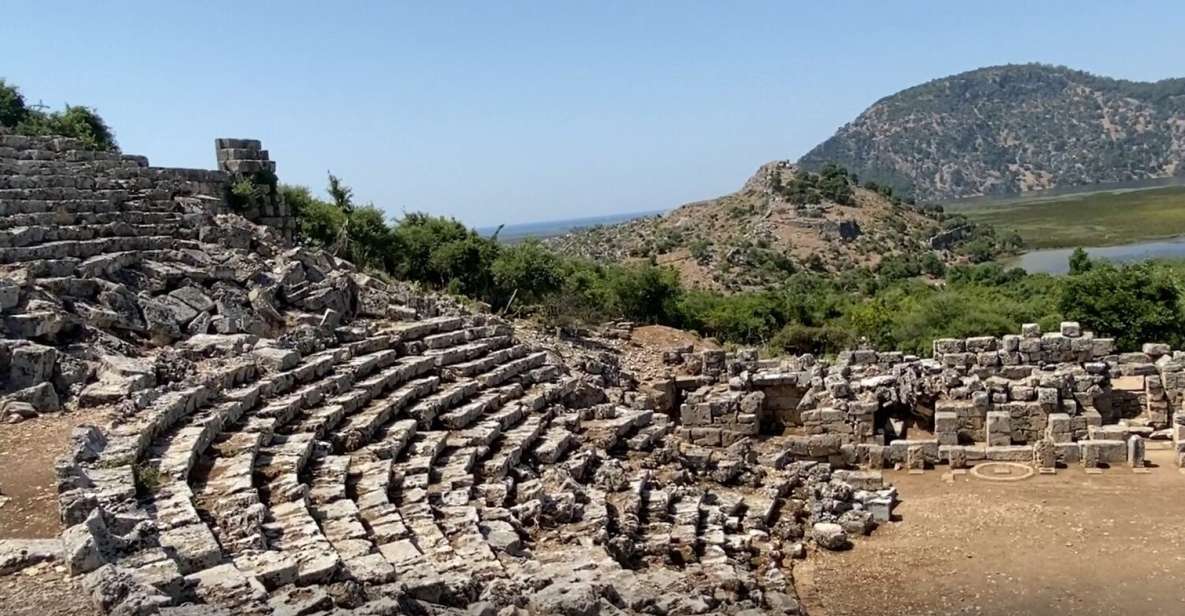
(288, 435)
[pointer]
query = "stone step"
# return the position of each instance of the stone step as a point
(65, 217)
(357, 430)
(485, 363)
(291, 529)
(23, 237)
(84, 249)
(553, 444)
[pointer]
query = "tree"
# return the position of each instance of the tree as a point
(834, 184)
(1133, 304)
(12, 105)
(371, 242)
(1080, 262)
(342, 195)
(645, 292)
(529, 271)
(343, 200)
(84, 124)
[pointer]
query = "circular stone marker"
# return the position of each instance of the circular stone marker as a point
(1002, 471)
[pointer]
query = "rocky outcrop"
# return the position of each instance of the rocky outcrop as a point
(754, 237)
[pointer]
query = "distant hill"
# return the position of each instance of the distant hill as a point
(1009, 129)
(785, 220)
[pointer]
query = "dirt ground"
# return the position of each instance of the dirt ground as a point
(1070, 543)
(28, 490)
(28, 509)
(43, 590)
(659, 338)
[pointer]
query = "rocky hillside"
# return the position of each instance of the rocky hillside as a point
(781, 221)
(1009, 129)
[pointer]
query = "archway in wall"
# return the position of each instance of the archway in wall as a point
(896, 420)
(779, 411)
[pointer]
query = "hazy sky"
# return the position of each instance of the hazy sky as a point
(507, 112)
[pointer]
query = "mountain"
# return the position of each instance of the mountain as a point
(785, 220)
(1009, 129)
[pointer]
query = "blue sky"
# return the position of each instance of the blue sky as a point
(510, 112)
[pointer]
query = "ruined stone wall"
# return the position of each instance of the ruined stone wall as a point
(59, 169)
(245, 159)
(980, 398)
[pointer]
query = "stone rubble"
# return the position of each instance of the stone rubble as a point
(1053, 398)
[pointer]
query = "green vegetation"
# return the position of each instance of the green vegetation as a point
(832, 183)
(82, 123)
(892, 307)
(1135, 304)
(1095, 219)
(148, 478)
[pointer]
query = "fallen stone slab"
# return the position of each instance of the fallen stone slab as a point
(17, 554)
(830, 536)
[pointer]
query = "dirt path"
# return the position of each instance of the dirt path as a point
(28, 488)
(1070, 543)
(28, 492)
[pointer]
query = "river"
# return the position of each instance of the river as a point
(1057, 260)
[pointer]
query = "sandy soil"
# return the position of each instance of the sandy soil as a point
(43, 590)
(659, 338)
(28, 488)
(1069, 543)
(30, 510)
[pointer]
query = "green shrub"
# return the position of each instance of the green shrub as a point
(796, 339)
(12, 106)
(245, 195)
(528, 270)
(1134, 304)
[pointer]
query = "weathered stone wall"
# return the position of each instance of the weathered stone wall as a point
(982, 398)
(59, 169)
(245, 159)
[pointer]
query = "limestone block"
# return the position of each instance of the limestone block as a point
(31, 364)
(695, 414)
(1135, 452)
(943, 346)
(1155, 349)
(1010, 453)
(998, 428)
(956, 456)
(1128, 383)
(1103, 452)
(1068, 453)
(828, 536)
(1044, 454)
(876, 456)
(898, 450)
(915, 458)
(17, 554)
